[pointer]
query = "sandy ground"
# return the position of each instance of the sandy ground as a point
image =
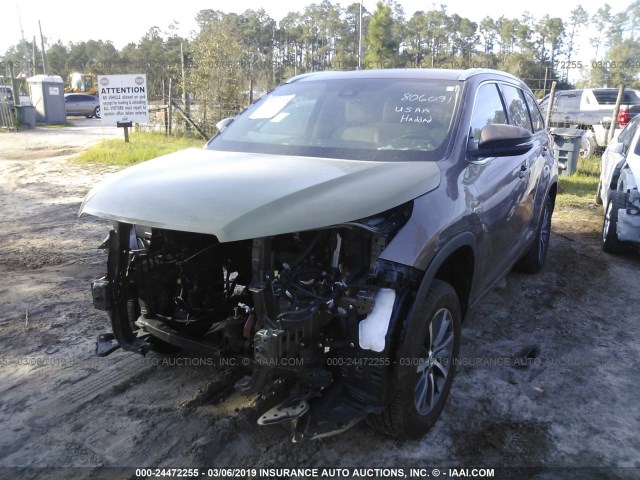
(573, 404)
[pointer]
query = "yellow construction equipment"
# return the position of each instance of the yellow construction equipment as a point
(82, 83)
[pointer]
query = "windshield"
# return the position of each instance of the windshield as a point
(362, 119)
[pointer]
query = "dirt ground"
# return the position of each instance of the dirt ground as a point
(573, 403)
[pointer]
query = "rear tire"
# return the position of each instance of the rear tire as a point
(96, 112)
(533, 260)
(610, 242)
(425, 366)
(588, 144)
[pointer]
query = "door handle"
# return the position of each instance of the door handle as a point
(523, 171)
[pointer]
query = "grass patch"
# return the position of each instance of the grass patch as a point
(589, 166)
(142, 146)
(579, 190)
(576, 210)
(54, 126)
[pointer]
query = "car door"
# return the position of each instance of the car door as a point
(520, 114)
(501, 185)
(72, 104)
(86, 105)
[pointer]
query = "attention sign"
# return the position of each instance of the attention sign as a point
(123, 98)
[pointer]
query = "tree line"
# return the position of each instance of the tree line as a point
(233, 57)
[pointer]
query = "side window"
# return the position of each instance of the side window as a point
(536, 115)
(487, 110)
(516, 107)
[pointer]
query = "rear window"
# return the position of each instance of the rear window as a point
(536, 116)
(609, 96)
(567, 102)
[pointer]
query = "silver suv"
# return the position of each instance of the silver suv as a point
(334, 236)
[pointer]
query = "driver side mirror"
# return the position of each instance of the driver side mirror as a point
(502, 141)
(224, 123)
(618, 148)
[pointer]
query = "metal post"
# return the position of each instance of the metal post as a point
(126, 126)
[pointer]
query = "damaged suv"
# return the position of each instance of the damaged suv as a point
(334, 236)
(618, 190)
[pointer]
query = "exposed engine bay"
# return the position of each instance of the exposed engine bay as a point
(317, 309)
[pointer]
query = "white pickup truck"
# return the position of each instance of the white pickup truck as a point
(590, 109)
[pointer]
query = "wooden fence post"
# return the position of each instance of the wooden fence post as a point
(614, 115)
(170, 106)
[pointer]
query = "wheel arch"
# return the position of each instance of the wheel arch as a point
(455, 264)
(617, 172)
(627, 180)
(553, 192)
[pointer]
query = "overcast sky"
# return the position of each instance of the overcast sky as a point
(124, 21)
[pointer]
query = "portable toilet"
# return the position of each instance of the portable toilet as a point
(47, 96)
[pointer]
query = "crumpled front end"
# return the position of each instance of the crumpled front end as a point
(317, 310)
(628, 228)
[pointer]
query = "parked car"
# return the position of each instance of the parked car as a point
(618, 189)
(590, 109)
(334, 235)
(82, 104)
(6, 95)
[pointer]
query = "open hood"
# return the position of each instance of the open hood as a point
(237, 196)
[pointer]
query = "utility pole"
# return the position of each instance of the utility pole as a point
(360, 40)
(185, 98)
(44, 62)
(25, 52)
(33, 56)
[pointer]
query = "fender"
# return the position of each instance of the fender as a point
(464, 239)
(399, 326)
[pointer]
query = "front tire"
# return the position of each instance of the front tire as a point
(598, 198)
(96, 112)
(610, 242)
(426, 365)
